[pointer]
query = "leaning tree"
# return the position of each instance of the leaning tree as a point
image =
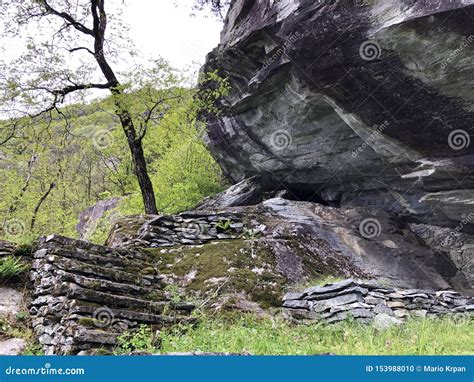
(62, 51)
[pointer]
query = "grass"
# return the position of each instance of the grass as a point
(11, 268)
(247, 334)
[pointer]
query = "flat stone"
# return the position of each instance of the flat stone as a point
(378, 295)
(12, 346)
(382, 309)
(418, 295)
(354, 305)
(374, 300)
(395, 295)
(423, 300)
(293, 296)
(325, 296)
(361, 313)
(438, 309)
(396, 304)
(460, 302)
(296, 304)
(447, 293)
(369, 285)
(355, 313)
(321, 306)
(329, 287)
(400, 313)
(301, 314)
(385, 290)
(383, 321)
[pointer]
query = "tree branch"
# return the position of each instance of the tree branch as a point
(66, 16)
(81, 48)
(72, 88)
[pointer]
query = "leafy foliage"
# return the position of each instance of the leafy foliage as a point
(11, 268)
(143, 339)
(88, 161)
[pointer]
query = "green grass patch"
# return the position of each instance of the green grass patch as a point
(247, 334)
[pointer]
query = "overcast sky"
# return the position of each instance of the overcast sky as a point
(166, 28)
(160, 27)
(163, 28)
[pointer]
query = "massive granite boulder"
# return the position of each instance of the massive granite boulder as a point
(355, 104)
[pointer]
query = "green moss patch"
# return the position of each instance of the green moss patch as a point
(226, 266)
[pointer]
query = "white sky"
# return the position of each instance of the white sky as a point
(158, 28)
(166, 28)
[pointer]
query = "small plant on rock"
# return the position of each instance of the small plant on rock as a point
(252, 234)
(173, 292)
(224, 225)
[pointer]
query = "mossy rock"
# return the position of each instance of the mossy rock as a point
(248, 267)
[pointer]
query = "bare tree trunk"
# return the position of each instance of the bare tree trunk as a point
(40, 202)
(139, 163)
(134, 142)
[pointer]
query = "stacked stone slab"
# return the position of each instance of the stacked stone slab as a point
(190, 228)
(364, 300)
(6, 248)
(85, 295)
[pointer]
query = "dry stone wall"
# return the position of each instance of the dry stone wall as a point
(190, 228)
(85, 295)
(6, 248)
(365, 301)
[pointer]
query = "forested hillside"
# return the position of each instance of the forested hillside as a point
(54, 169)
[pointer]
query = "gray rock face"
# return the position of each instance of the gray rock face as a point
(356, 299)
(247, 192)
(11, 301)
(89, 219)
(355, 104)
(302, 238)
